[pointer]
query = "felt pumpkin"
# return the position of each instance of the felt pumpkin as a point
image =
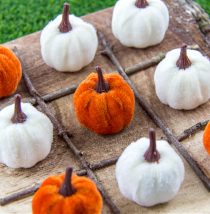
(26, 135)
(10, 72)
(206, 138)
(104, 103)
(68, 43)
(182, 79)
(72, 194)
(149, 172)
(140, 23)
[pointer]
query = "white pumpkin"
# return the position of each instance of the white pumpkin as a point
(149, 175)
(26, 138)
(140, 23)
(68, 43)
(182, 79)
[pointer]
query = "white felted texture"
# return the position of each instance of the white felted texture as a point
(147, 183)
(24, 144)
(179, 88)
(71, 51)
(140, 27)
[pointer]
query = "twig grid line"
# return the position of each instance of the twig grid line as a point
(63, 134)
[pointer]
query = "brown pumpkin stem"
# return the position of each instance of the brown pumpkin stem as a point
(141, 3)
(183, 62)
(152, 155)
(66, 188)
(65, 25)
(18, 116)
(102, 86)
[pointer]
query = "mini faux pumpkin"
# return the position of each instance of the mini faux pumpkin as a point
(149, 172)
(104, 103)
(68, 43)
(140, 23)
(70, 194)
(26, 135)
(206, 138)
(10, 72)
(182, 79)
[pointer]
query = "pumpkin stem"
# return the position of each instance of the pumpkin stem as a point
(18, 116)
(65, 25)
(152, 155)
(141, 3)
(183, 62)
(66, 188)
(102, 86)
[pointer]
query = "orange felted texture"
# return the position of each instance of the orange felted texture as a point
(10, 72)
(104, 103)
(67, 194)
(206, 138)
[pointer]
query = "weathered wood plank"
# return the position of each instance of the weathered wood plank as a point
(193, 197)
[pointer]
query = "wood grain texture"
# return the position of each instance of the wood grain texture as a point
(193, 197)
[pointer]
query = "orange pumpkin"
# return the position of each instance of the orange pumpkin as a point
(206, 138)
(10, 72)
(104, 103)
(69, 194)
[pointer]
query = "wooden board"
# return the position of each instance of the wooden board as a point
(192, 198)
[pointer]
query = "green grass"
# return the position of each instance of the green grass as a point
(205, 4)
(21, 17)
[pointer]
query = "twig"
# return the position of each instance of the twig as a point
(64, 135)
(151, 62)
(48, 97)
(31, 190)
(144, 65)
(58, 94)
(54, 95)
(152, 114)
(104, 163)
(192, 130)
(19, 195)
